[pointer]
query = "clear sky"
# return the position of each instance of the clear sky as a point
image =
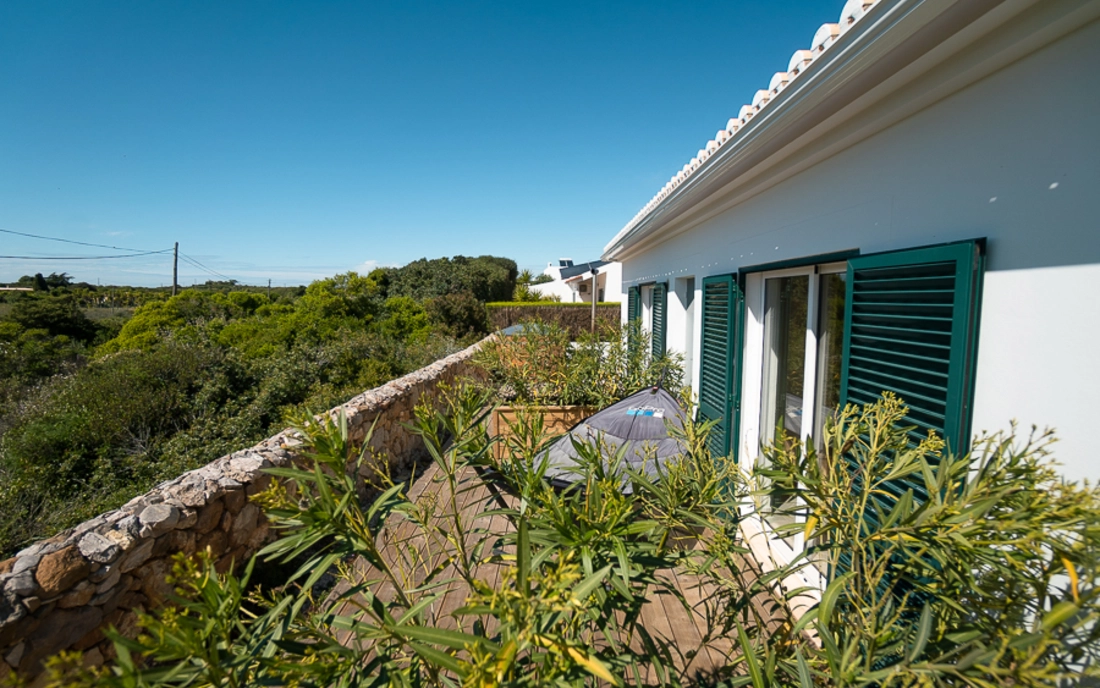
(296, 140)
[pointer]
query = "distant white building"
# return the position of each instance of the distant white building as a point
(572, 283)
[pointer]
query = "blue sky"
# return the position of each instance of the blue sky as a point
(292, 141)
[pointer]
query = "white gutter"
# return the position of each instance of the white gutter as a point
(892, 35)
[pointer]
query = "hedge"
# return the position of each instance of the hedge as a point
(549, 304)
(574, 317)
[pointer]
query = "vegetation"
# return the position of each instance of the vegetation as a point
(524, 292)
(543, 367)
(486, 278)
(93, 412)
(553, 304)
(942, 570)
(990, 582)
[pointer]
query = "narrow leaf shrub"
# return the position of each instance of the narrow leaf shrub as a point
(975, 570)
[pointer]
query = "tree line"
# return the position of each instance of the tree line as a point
(96, 411)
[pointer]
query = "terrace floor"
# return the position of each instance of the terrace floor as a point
(414, 556)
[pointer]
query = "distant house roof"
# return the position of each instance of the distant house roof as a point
(581, 268)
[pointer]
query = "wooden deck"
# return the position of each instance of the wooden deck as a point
(420, 557)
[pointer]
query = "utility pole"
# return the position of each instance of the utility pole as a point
(175, 268)
(595, 272)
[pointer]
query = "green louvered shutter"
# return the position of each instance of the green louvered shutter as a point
(633, 304)
(910, 327)
(719, 361)
(660, 318)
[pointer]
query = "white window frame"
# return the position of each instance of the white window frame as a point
(758, 532)
(645, 296)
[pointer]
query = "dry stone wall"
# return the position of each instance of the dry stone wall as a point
(61, 593)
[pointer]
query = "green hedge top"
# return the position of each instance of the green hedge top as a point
(547, 304)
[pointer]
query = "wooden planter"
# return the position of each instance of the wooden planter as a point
(556, 420)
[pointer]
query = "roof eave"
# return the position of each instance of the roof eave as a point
(890, 36)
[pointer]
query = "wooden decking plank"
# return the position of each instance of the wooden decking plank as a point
(476, 501)
(414, 553)
(686, 635)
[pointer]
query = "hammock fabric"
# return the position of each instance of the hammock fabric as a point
(637, 421)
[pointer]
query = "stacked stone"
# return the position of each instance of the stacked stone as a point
(390, 407)
(61, 593)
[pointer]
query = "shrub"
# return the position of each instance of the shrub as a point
(542, 366)
(979, 569)
(58, 315)
(459, 315)
(961, 590)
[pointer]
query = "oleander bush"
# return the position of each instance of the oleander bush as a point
(989, 582)
(542, 366)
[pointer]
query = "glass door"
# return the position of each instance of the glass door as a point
(803, 321)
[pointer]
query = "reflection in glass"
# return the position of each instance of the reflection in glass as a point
(785, 301)
(830, 349)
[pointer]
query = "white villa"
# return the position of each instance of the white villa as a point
(911, 205)
(572, 282)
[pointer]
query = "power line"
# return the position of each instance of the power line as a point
(67, 241)
(199, 265)
(131, 255)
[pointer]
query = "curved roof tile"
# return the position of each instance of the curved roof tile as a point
(825, 36)
(800, 60)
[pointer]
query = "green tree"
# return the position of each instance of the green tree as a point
(404, 319)
(459, 315)
(58, 315)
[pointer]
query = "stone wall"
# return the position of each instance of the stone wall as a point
(61, 593)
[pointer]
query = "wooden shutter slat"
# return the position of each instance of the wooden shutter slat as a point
(718, 364)
(660, 319)
(632, 304)
(931, 317)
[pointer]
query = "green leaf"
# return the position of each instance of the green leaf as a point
(593, 665)
(804, 621)
(412, 612)
(963, 637)
(749, 653)
(924, 630)
(587, 586)
(439, 636)
(1062, 612)
(828, 600)
(804, 679)
(437, 657)
(523, 555)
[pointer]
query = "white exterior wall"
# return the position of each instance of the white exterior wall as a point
(612, 285)
(557, 288)
(610, 280)
(1013, 158)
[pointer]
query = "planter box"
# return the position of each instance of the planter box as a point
(556, 420)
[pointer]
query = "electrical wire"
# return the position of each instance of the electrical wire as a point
(129, 255)
(199, 265)
(134, 252)
(70, 241)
